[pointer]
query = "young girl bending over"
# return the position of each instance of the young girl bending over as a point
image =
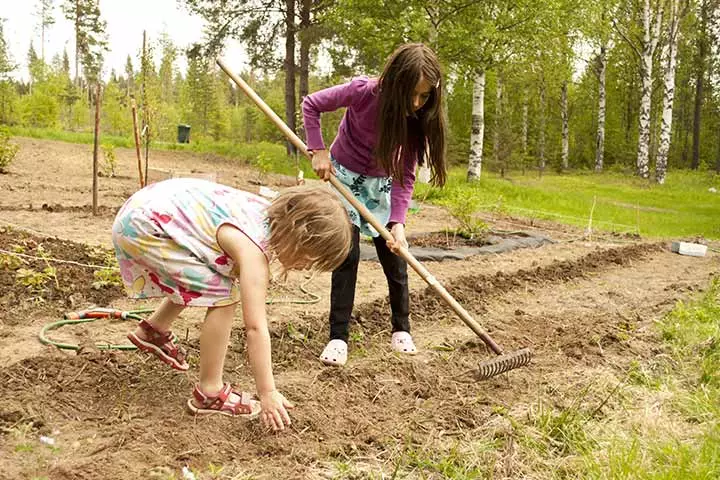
(391, 123)
(202, 244)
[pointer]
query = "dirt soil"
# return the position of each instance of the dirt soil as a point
(585, 309)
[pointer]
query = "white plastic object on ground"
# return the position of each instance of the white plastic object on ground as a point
(188, 474)
(687, 248)
(268, 192)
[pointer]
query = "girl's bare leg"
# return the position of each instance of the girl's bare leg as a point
(214, 341)
(162, 318)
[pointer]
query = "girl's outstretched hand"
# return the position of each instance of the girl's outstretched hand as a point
(274, 410)
(398, 233)
(322, 165)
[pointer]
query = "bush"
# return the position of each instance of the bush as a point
(8, 150)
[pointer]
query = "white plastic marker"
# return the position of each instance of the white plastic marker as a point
(687, 248)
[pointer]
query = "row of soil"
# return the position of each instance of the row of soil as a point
(31, 279)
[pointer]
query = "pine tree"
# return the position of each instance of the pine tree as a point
(43, 11)
(90, 40)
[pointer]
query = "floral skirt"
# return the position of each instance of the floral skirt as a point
(373, 192)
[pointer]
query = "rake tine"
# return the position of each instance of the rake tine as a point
(503, 363)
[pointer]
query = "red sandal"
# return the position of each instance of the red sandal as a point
(160, 344)
(246, 407)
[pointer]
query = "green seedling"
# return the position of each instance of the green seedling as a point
(106, 277)
(35, 281)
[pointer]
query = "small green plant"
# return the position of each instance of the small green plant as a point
(8, 150)
(106, 277)
(464, 212)
(35, 281)
(357, 336)
(264, 163)
(10, 262)
(109, 163)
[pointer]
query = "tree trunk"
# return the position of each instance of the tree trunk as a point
(699, 78)
(651, 34)
(541, 128)
(478, 127)
(290, 70)
(644, 123)
(524, 130)
(96, 146)
(670, 62)
(497, 122)
(600, 139)
(424, 174)
(565, 127)
(77, 42)
(305, 42)
(525, 125)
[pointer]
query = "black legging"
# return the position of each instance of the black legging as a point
(344, 279)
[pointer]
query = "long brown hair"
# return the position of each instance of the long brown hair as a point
(402, 133)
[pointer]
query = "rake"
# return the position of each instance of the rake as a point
(488, 368)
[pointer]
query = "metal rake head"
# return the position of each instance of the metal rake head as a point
(503, 363)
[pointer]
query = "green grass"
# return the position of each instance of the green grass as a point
(682, 207)
(684, 442)
(268, 157)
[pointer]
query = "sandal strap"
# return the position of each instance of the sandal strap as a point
(164, 340)
(221, 402)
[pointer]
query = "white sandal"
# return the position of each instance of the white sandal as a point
(402, 342)
(335, 353)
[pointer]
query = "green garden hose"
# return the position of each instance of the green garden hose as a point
(85, 316)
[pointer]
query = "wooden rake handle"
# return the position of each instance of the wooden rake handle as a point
(404, 253)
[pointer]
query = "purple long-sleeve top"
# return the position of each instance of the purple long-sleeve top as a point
(355, 143)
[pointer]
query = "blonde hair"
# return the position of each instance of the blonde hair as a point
(309, 223)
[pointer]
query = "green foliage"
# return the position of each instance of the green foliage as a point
(106, 277)
(36, 281)
(8, 150)
(465, 212)
(109, 163)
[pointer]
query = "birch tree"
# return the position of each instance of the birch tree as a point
(601, 69)
(484, 36)
(651, 15)
(676, 10)
(597, 29)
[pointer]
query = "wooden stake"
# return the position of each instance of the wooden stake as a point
(137, 141)
(95, 149)
(145, 121)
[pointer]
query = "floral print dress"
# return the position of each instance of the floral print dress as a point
(166, 246)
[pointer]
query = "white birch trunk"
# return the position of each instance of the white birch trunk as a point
(649, 43)
(565, 127)
(600, 138)
(670, 63)
(478, 127)
(423, 172)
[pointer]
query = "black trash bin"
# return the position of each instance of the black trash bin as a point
(183, 134)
